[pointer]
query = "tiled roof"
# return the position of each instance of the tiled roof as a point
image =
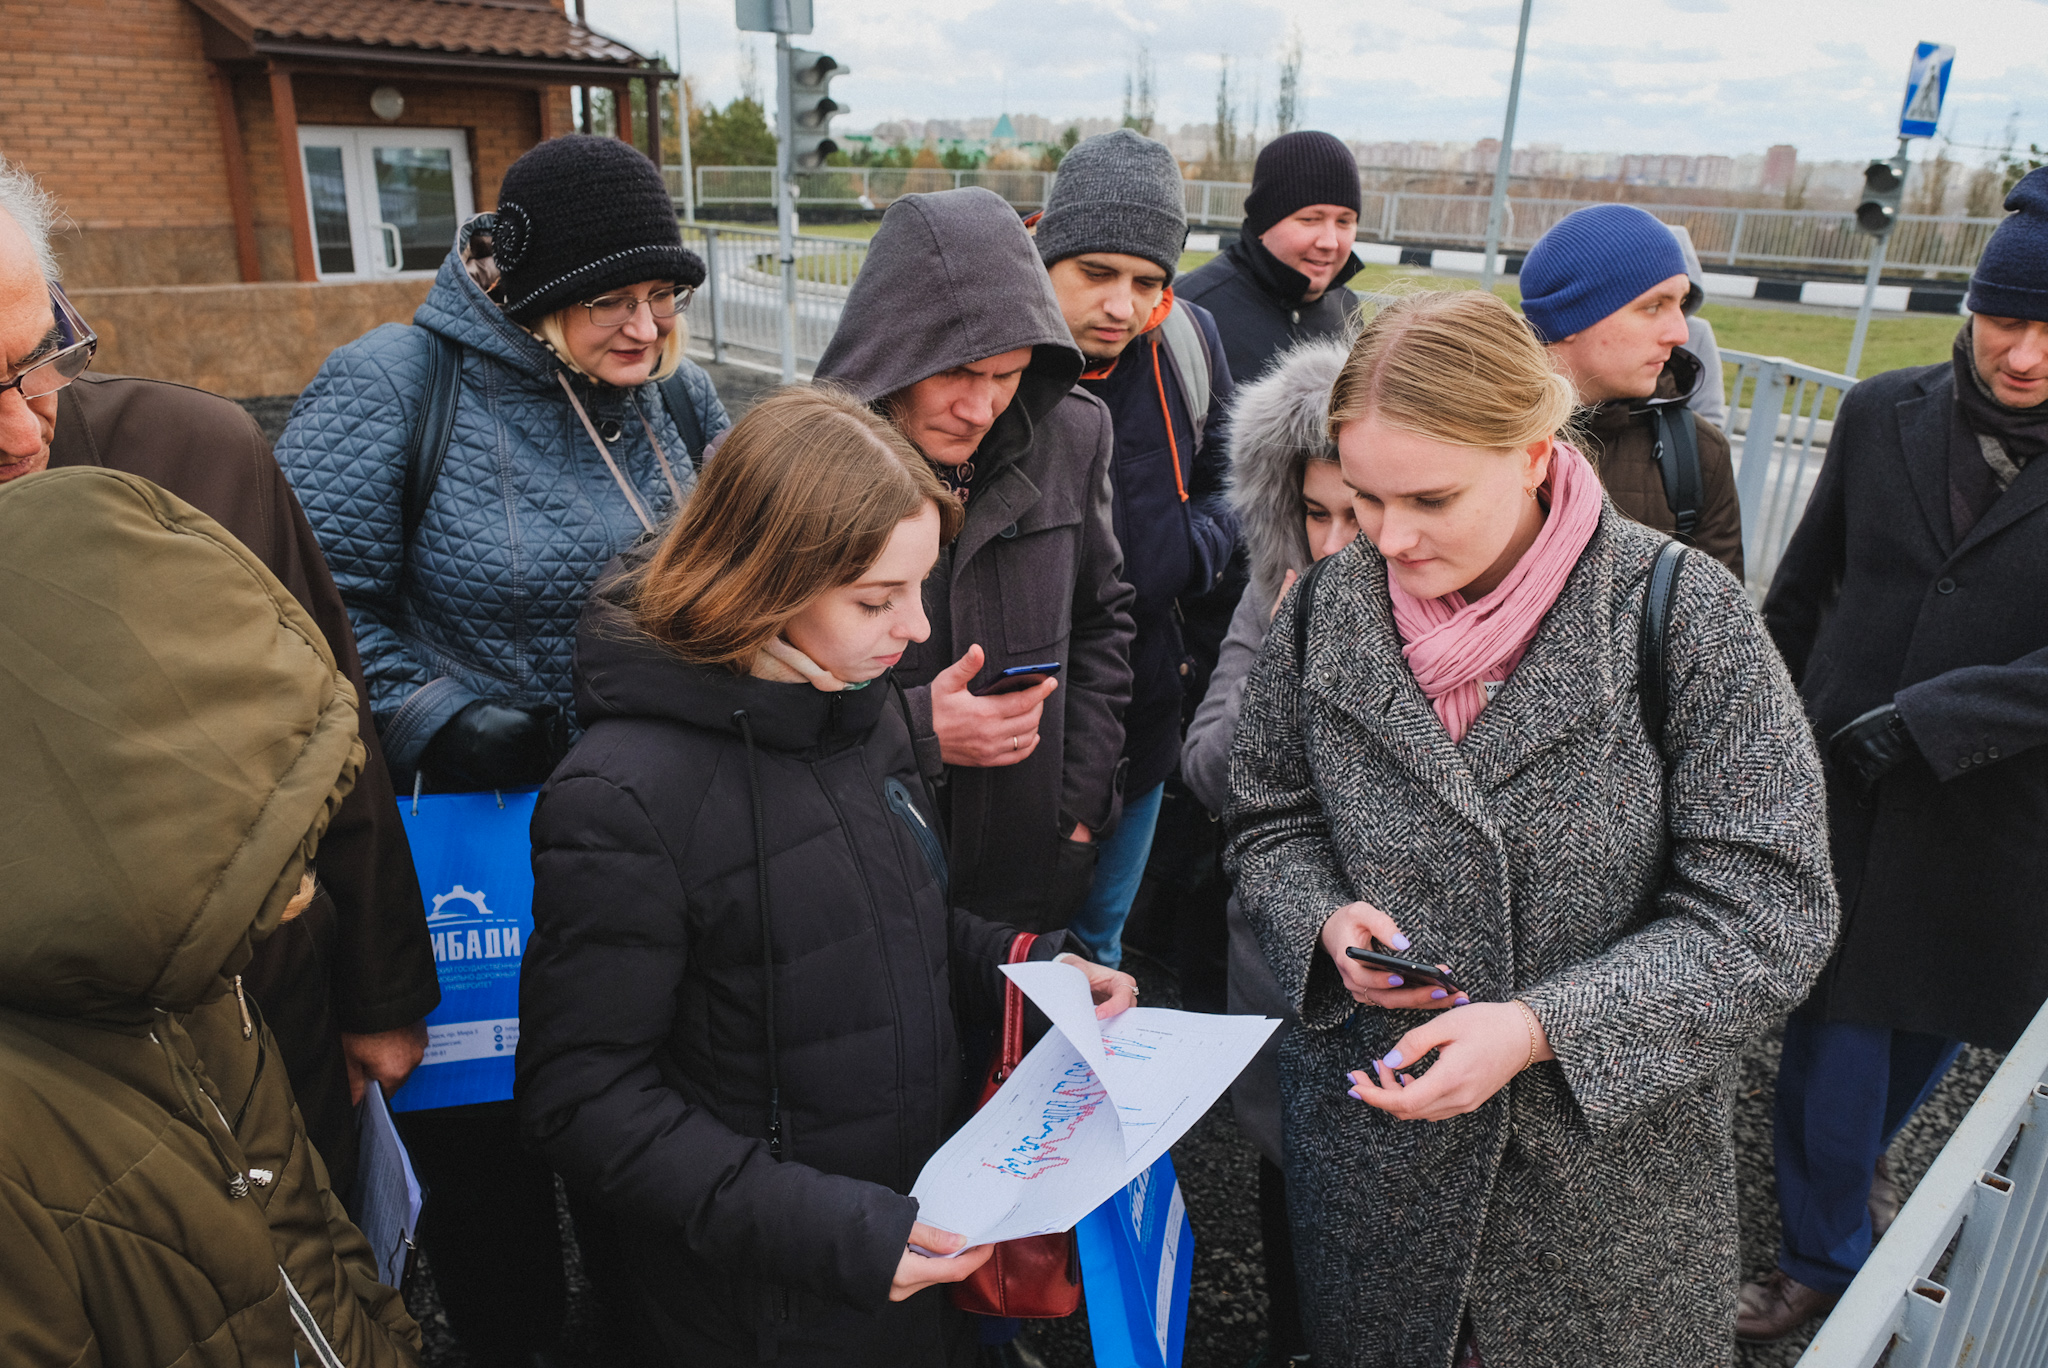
(531, 29)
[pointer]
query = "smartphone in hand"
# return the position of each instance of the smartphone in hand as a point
(1414, 973)
(1019, 677)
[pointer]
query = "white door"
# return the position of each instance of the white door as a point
(385, 201)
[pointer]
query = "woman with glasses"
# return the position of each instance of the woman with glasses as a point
(468, 477)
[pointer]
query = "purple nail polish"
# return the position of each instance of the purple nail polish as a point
(1394, 1060)
(1460, 1001)
(1399, 942)
(1406, 1080)
(1394, 980)
(1353, 1093)
(1436, 994)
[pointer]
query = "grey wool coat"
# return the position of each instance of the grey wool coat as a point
(1586, 1213)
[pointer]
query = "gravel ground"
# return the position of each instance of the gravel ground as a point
(1219, 1170)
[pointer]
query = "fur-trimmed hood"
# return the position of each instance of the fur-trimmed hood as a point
(1278, 424)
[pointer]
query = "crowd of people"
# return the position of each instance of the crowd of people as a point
(1402, 651)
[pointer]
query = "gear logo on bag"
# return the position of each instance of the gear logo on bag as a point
(462, 933)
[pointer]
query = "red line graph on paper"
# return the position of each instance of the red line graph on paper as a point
(1074, 1101)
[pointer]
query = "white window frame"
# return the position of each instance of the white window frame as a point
(370, 239)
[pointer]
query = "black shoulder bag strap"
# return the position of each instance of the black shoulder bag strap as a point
(427, 444)
(1678, 459)
(675, 396)
(1653, 669)
(1305, 593)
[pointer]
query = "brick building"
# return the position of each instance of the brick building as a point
(251, 182)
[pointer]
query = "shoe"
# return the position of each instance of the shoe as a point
(1015, 1354)
(1773, 1306)
(1885, 1200)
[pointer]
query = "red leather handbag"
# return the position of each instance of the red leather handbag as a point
(1037, 1278)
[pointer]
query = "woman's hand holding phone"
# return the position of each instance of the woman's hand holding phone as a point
(917, 1270)
(1360, 924)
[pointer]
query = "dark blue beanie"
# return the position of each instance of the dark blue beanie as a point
(2011, 279)
(1592, 262)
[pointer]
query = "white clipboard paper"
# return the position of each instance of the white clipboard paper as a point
(388, 1197)
(1090, 1108)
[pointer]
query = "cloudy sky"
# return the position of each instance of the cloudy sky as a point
(1692, 76)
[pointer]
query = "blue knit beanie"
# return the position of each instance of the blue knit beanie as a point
(1592, 262)
(2011, 280)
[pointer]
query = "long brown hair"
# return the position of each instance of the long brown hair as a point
(1455, 366)
(801, 498)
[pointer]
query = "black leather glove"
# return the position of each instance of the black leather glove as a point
(496, 745)
(1872, 746)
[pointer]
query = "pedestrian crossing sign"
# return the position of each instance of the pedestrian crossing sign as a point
(1926, 87)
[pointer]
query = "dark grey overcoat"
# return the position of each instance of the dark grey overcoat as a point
(1585, 1214)
(1944, 873)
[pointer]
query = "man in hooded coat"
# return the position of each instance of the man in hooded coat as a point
(952, 281)
(176, 739)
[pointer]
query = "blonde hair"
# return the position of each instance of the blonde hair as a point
(1455, 366)
(801, 498)
(550, 330)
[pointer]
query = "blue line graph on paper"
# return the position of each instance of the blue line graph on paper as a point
(1041, 1149)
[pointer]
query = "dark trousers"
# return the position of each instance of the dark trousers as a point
(490, 1229)
(1843, 1093)
(1284, 1333)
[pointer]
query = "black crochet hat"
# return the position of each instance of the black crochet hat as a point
(581, 215)
(1296, 170)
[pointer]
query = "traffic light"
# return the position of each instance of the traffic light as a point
(812, 108)
(1883, 183)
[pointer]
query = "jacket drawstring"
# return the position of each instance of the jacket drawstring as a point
(189, 1094)
(1172, 442)
(746, 729)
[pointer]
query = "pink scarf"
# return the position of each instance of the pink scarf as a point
(1454, 647)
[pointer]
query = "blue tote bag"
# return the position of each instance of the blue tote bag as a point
(475, 863)
(1137, 1258)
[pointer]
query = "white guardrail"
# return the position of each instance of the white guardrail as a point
(1780, 417)
(1961, 1278)
(1724, 237)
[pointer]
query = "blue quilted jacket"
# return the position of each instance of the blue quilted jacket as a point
(484, 602)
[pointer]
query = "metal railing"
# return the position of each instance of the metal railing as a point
(1724, 237)
(1780, 417)
(1962, 1275)
(742, 308)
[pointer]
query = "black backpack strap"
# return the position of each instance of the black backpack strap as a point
(1653, 670)
(427, 445)
(1678, 459)
(1305, 602)
(675, 395)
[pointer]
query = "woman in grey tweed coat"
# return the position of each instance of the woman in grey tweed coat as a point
(1640, 917)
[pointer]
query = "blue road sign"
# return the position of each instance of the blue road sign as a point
(1926, 88)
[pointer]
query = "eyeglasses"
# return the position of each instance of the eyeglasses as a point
(614, 310)
(74, 343)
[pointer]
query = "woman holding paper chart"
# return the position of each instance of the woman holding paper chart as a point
(738, 1009)
(1446, 749)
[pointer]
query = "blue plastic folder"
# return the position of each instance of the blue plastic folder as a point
(1137, 1254)
(475, 864)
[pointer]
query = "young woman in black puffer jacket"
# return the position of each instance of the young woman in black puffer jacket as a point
(739, 1004)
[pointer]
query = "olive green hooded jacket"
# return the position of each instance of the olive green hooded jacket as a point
(174, 739)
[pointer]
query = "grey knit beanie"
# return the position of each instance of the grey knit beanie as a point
(1116, 192)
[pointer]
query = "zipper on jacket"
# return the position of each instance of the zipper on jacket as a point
(920, 830)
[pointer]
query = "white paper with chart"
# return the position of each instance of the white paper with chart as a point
(1091, 1107)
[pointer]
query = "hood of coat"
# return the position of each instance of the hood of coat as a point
(621, 673)
(1276, 278)
(457, 308)
(1694, 272)
(175, 736)
(952, 278)
(1278, 423)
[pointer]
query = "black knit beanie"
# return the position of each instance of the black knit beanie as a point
(1296, 170)
(581, 215)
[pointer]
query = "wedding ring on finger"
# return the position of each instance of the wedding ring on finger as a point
(1016, 744)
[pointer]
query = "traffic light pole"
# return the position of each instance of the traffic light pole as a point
(785, 194)
(1496, 213)
(1870, 281)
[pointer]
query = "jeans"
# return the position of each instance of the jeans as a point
(1843, 1093)
(1119, 867)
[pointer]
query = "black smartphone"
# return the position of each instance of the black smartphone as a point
(1413, 972)
(1020, 677)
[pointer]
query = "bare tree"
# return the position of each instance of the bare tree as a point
(1930, 191)
(1138, 108)
(1222, 160)
(750, 71)
(1287, 104)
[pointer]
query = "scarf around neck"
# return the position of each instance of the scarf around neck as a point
(2021, 432)
(1454, 647)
